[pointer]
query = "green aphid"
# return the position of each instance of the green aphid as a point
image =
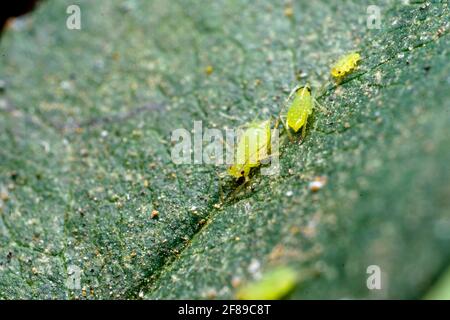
(274, 285)
(253, 147)
(299, 110)
(345, 65)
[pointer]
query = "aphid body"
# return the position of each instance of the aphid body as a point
(300, 108)
(345, 65)
(252, 147)
(275, 284)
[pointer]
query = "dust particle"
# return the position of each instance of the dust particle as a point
(318, 183)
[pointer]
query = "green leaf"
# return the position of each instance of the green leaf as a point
(441, 290)
(85, 123)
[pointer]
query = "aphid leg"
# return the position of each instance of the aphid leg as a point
(286, 128)
(277, 123)
(220, 190)
(304, 129)
(239, 188)
(321, 107)
(268, 159)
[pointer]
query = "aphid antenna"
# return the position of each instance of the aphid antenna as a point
(255, 119)
(293, 91)
(321, 107)
(286, 101)
(222, 114)
(277, 124)
(324, 88)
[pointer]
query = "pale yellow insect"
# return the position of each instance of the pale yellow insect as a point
(274, 284)
(299, 109)
(345, 65)
(253, 147)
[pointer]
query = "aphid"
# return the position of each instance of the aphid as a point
(209, 70)
(289, 11)
(300, 109)
(274, 284)
(253, 147)
(345, 65)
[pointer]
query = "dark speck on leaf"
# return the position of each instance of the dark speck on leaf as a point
(9, 256)
(2, 85)
(14, 175)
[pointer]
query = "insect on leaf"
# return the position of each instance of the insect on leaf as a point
(274, 285)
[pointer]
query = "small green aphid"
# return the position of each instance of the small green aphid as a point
(345, 65)
(300, 109)
(253, 147)
(274, 285)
